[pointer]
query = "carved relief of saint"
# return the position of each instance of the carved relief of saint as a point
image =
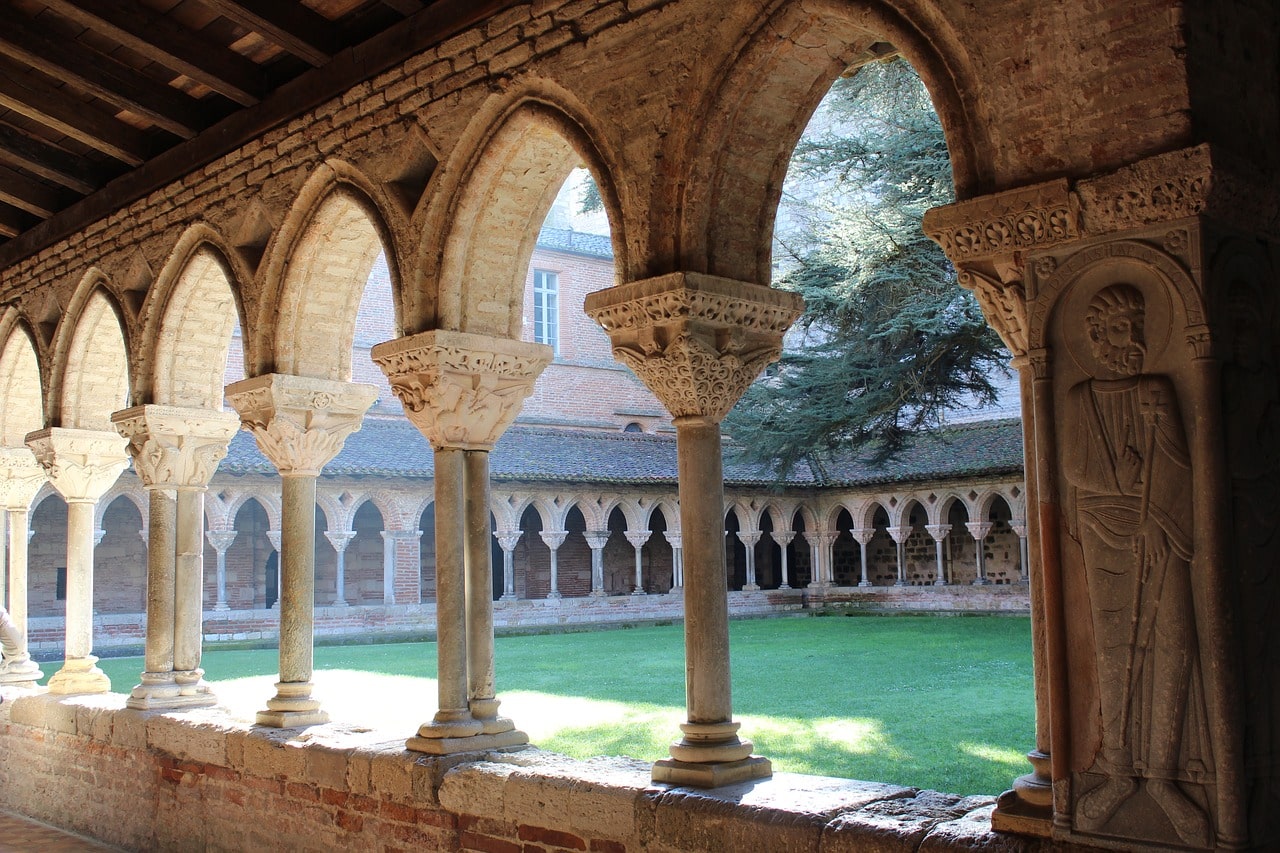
(1128, 466)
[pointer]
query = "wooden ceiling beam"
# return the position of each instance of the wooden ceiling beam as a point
(168, 43)
(19, 191)
(12, 222)
(54, 108)
(311, 37)
(49, 162)
(404, 7)
(102, 77)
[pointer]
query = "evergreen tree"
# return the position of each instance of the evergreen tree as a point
(888, 341)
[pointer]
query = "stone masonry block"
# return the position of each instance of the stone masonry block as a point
(593, 797)
(274, 753)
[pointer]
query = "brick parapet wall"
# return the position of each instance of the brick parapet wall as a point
(202, 781)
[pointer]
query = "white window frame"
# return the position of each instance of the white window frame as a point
(546, 317)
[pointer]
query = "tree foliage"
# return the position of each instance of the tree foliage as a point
(888, 341)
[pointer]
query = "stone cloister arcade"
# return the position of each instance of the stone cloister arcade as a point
(1117, 217)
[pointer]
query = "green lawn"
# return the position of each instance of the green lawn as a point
(934, 702)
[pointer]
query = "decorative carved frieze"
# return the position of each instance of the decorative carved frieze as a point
(1025, 219)
(300, 423)
(21, 477)
(696, 341)
(80, 463)
(459, 389)
(1004, 304)
(175, 447)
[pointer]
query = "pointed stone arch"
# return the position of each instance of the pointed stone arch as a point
(500, 183)
(740, 138)
(92, 359)
(321, 258)
(22, 410)
(190, 316)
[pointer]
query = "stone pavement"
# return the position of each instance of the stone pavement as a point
(23, 835)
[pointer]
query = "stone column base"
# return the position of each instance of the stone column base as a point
(20, 673)
(1028, 808)
(750, 587)
(711, 774)
(510, 739)
(79, 675)
(292, 719)
(292, 706)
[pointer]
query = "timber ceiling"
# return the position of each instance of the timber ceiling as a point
(103, 101)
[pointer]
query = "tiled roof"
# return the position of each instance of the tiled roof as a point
(392, 447)
(575, 242)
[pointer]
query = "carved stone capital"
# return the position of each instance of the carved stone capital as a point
(1019, 528)
(21, 477)
(300, 423)
(220, 539)
(273, 536)
(979, 530)
(783, 537)
(461, 390)
(863, 535)
(175, 447)
(554, 538)
(509, 539)
(749, 538)
(637, 538)
(80, 463)
(696, 341)
(339, 539)
(938, 531)
(1004, 303)
(1021, 220)
(674, 539)
(900, 534)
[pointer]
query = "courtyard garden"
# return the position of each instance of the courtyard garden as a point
(933, 702)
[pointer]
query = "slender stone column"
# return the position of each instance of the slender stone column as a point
(508, 540)
(899, 535)
(637, 538)
(979, 531)
(677, 559)
(823, 569)
(462, 391)
(596, 541)
(273, 538)
(21, 478)
(300, 424)
(1020, 528)
(221, 540)
(4, 556)
(175, 452)
(939, 533)
(863, 536)
(749, 539)
(81, 464)
(554, 539)
(783, 538)
(697, 342)
(340, 539)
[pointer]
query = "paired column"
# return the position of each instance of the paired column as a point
(783, 538)
(553, 539)
(939, 533)
(677, 559)
(637, 538)
(81, 464)
(221, 540)
(175, 452)
(749, 540)
(21, 478)
(300, 424)
(697, 342)
(462, 391)
(900, 535)
(596, 541)
(863, 536)
(979, 530)
(508, 540)
(1020, 530)
(340, 539)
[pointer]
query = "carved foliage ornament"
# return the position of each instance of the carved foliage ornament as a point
(174, 447)
(300, 423)
(21, 477)
(695, 341)
(1033, 217)
(459, 389)
(1004, 304)
(80, 463)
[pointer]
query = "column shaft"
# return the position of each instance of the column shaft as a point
(80, 535)
(18, 522)
(451, 627)
(222, 580)
(297, 577)
(162, 522)
(189, 581)
(479, 586)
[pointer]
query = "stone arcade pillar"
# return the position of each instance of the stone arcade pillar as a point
(221, 540)
(900, 535)
(462, 391)
(175, 452)
(1141, 308)
(300, 424)
(401, 566)
(637, 538)
(21, 478)
(677, 559)
(783, 538)
(749, 539)
(1020, 530)
(697, 342)
(980, 530)
(81, 464)
(553, 539)
(340, 539)
(863, 536)
(596, 541)
(939, 533)
(508, 540)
